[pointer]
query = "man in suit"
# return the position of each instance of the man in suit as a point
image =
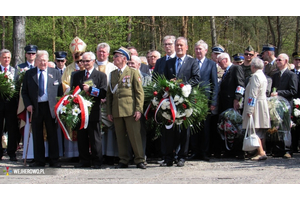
(286, 83)
(30, 56)
(268, 55)
(8, 108)
(169, 47)
(60, 60)
(41, 86)
(231, 91)
(125, 99)
(92, 134)
(185, 68)
(209, 80)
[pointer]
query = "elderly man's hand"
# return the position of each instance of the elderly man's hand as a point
(137, 115)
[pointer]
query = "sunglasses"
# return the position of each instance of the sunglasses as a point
(248, 54)
(60, 61)
(31, 53)
(78, 61)
(279, 60)
(86, 61)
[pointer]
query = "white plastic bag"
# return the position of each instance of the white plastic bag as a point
(250, 142)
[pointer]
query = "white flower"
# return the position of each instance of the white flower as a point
(88, 103)
(165, 104)
(296, 101)
(296, 112)
(178, 121)
(155, 102)
(188, 112)
(166, 116)
(186, 90)
(63, 110)
(76, 111)
(176, 98)
(181, 100)
(179, 115)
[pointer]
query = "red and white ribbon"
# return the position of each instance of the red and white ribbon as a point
(172, 108)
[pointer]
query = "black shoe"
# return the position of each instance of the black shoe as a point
(13, 158)
(180, 163)
(141, 166)
(82, 165)
(35, 164)
(121, 165)
(55, 165)
(193, 157)
(167, 164)
(204, 158)
(97, 167)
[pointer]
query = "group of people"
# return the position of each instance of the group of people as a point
(116, 130)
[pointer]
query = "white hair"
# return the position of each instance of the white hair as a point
(4, 51)
(224, 55)
(92, 55)
(137, 59)
(202, 44)
(103, 45)
(285, 56)
(257, 63)
(40, 53)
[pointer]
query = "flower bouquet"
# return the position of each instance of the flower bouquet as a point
(7, 85)
(230, 126)
(296, 112)
(172, 103)
(73, 110)
(279, 109)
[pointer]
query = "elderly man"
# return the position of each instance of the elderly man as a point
(125, 98)
(169, 47)
(60, 60)
(185, 68)
(208, 80)
(30, 56)
(231, 91)
(8, 109)
(91, 136)
(286, 84)
(143, 67)
(268, 55)
(152, 57)
(41, 87)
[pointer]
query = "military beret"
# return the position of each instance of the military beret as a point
(218, 49)
(124, 51)
(238, 57)
(31, 48)
(60, 55)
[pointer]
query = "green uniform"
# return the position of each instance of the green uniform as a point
(123, 101)
(247, 71)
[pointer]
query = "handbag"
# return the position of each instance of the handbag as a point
(250, 142)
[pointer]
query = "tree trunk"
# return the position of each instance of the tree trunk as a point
(18, 40)
(3, 33)
(184, 28)
(213, 31)
(153, 34)
(297, 35)
(279, 36)
(129, 30)
(272, 31)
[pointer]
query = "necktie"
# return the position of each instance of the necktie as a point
(5, 69)
(120, 73)
(30, 66)
(224, 74)
(168, 57)
(200, 64)
(61, 71)
(178, 65)
(87, 75)
(41, 83)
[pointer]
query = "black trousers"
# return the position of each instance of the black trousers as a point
(8, 113)
(176, 142)
(44, 116)
(91, 136)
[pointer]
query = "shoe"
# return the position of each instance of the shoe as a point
(121, 165)
(193, 157)
(180, 163)
(259, 157)
(35, 164)
(287, 155)
(55, 165)
(13, 158)
(141, 165)
(204, 158)
(160, 162)
(167, 164)
(97, 167)
(82, 165)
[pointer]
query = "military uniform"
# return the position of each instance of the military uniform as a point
(125, 96)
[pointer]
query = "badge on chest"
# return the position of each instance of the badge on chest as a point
(126, 81)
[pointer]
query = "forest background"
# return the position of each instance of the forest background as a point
(235, 33)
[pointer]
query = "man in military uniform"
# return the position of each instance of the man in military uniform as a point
(30, 56)
(60, 60)
(238, 59)
(125, 99)
(268, 55)
(216, 50)
(249, 55)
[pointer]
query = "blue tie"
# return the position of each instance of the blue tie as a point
(41, 83)
(178, 65)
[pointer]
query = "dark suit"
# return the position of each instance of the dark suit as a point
(296, 131)
(160, 65)
(189, 73)
(43, 112)
(287, 87)
(92, 134)
(8, 111)
(24, 65)
(145, 68)
(208, 80)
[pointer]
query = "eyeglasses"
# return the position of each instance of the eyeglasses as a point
(60, 60)
(116, 56)
(78, 61)
(220, 60)
(278, 60)
(248, 54)
(170, 44)
(86, 61)
(31, 53)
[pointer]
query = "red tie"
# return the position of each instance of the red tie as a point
(87, 75)
(5, 69)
